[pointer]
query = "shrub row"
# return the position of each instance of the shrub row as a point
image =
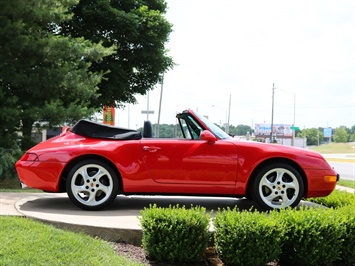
(247, 238)
(291, 237)
(304, 236)
(337, 199)
(175, 235)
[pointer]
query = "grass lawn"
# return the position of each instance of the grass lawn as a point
(346, 183)
(27, 242)
(335, 148)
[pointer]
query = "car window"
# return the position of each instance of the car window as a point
(195, 129)
(219, 133)
(184, 130)
(189, 128)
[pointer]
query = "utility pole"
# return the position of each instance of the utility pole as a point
(161, 97)
(229, 113)
(272, 113)
(294, 120)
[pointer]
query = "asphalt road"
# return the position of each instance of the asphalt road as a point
(346, 170)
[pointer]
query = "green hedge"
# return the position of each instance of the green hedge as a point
(174, 234)
(337, 199)
(247, 238)
(347, 216)
(303, 236)
(312, 236)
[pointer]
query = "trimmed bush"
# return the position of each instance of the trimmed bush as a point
(247, 238)
(304, 236)
(313, 236)
(175, 234)
(337, 199)
(347, 215)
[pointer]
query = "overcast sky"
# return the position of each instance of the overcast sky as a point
(231, 49)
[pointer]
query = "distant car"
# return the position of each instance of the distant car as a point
(94, 163)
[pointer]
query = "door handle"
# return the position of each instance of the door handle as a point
(151, 148)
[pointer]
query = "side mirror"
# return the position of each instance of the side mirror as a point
(207, 135)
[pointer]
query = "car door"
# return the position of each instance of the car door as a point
(189, 161)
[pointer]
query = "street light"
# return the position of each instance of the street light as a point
(161, 97)
(272, 112)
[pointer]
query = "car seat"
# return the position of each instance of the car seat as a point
(147, 130)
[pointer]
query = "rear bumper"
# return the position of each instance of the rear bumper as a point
(39, 175)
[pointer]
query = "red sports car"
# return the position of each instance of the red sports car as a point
(94, 162)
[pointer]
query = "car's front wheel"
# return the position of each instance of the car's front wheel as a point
(92, 185)
(278, 186)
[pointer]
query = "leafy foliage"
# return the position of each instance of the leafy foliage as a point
(352, 134)
(313, 135)
(313, 236)
(174, 234)
(240, 130)
(344, 203)
(247, 238)
(347, 215)
(337, 199)
(303, 236)
(8, 159)
(340, 135)
(139, 32)
(44, 76)
(54, 61)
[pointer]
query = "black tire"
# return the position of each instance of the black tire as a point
(92, 185)
(278, 186)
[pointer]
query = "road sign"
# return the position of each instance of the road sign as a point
(294, 128)
(327, 132)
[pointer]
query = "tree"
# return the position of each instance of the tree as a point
(240, 130)
(166, 131)
(44, 76)
(139, 31)
(340, 135)
(352, 134)
(313, 135)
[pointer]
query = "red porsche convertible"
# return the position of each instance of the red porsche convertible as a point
(94, 163)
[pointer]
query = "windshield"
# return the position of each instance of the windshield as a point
(219, 133)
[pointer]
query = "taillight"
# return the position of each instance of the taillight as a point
(30, 157)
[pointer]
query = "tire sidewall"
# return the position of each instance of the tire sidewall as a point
(104, 203)
(256, 183)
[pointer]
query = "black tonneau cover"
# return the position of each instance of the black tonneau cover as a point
(91, 129)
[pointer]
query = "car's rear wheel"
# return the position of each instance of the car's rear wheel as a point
(92, 185)
(278, 186)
